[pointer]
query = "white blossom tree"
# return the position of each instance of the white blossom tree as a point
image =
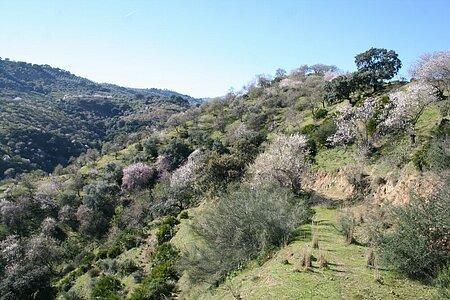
(11, 250)
(434, 69)
(407, 106)
(332, 74)
(354, 125)
(285, 161)
(49, 226)
(184, 180)
(186, 175)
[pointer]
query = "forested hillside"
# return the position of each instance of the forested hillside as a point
(313, 184)
(49, 115)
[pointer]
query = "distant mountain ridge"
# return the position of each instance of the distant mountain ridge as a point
(48, 115)
(23, 77)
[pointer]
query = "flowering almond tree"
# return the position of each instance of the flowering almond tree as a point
(356, 124)
(285, 161)
(407, 106)
(185, 176)
(434, 69)
(184, 180)
(136, 176)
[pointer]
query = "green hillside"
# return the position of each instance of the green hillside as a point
(345, 277)
(48, 115)
(310, 185)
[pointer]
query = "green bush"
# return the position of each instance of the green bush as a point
(160, 283)
(183, 215)
(164, 233)
(101, 254)
(127, 267)
(320, 114)
(165, 253)
(419, 158)
(243, 224)
(166, 229)
(417, 244)
(115, 251)
(308, 129)
(170, 220)
(347, 224)
(66, 283)
(177, 151)
(320, 133)
(108, 265)
(87, 259)
(129, 238)
(153, 289)
(323, 132)
(150, 146)
(443, 282)
(107, 287)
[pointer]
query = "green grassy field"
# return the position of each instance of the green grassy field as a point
(346, 277)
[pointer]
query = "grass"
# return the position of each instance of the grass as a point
(428, 120)
(331, 160)
(346, 276)
(82, 286)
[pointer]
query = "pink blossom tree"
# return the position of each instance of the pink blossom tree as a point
(136, 176)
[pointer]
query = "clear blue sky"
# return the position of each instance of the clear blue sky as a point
(203, 48)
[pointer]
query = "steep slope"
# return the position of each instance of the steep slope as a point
(124, 220)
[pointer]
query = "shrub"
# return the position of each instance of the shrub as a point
(160, 283)
(115, 251)
(320, 114)
(150, 146)
(443, 282)
(183, 215)
(417, 244)
(108, 265)
(419, 158)
(170, 220)
(347, 224)
(370, 258)
(315, 240)
(66, 283)
(320, 133)
(156, 286)
(165, 253)
(164, 233)
(129, 238)
(305, 261)
(176, 151)
(308, 129)
(166, 229)
(244, 223)
(87, 258)
(321, 260)
(127, 267)
(107, 287)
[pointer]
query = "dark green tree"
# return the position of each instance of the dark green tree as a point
(376, 65)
